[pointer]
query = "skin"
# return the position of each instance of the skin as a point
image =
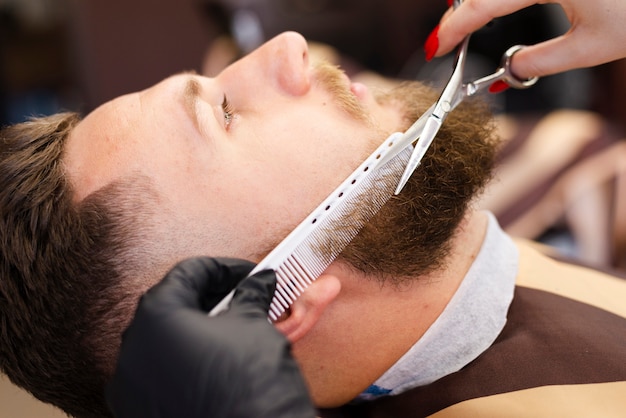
(595, 36)
(356, 322)
(246, 174)
(274, 92)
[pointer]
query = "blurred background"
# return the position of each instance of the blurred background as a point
(561, 179)
(77, 54)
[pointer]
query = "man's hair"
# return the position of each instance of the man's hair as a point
(63, 298)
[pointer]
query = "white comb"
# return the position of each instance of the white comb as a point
(309, 249)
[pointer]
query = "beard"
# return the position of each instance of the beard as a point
(412, 234)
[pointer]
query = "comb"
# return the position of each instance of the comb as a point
(312, 246)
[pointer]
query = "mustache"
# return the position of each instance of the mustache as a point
(333, 79)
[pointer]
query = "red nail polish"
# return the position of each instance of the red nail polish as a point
(432, 44)
(498, 87)
(450, 2)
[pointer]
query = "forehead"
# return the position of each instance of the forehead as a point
(102, 144)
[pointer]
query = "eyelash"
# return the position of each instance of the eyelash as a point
(228, 110)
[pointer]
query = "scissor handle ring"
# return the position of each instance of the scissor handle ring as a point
(511, 79)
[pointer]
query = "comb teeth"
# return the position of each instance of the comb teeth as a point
(309, 249)
(305, 253)
(333, 225)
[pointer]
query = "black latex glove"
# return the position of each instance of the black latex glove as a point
(175, 361)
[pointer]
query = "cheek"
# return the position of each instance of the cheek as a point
(251, 203)
(283, 172)
(313, 158)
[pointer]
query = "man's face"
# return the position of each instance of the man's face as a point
(237, 160)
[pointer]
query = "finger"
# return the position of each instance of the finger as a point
(198, 283)
(231, 271)
(254, 294)
(470, 16)
(550, 57)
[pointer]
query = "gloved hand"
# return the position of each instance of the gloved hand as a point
(175, 361)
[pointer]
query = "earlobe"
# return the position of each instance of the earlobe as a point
(307, 309)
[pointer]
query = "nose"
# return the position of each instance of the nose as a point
(284, 59)
(289, 62)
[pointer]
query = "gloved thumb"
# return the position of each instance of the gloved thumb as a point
(254, 294)
(197, 283)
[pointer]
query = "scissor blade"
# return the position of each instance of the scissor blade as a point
(409, 136)
(426, 138)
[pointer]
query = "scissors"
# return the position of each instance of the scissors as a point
(427, 126)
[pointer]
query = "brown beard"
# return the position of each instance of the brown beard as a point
(412, 233)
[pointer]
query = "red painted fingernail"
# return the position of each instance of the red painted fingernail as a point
(450, 2)
(432, 44)
(498, 87)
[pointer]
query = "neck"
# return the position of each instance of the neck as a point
(384, 322)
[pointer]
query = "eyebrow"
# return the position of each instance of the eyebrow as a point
(191, 94)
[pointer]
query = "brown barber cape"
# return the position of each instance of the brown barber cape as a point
(562, 353)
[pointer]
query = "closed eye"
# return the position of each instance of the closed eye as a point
(228, 110)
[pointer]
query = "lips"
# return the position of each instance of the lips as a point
(360, 90)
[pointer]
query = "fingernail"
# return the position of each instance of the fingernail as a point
(450, 2)
(498, 87)
(432, 44)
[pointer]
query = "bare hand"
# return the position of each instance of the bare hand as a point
(597, 34)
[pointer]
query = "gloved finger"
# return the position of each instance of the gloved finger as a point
(254, 294)
(197, 283)
(231, 272)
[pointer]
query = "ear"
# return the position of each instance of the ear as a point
(308, 308)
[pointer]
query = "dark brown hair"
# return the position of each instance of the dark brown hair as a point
(63, 303)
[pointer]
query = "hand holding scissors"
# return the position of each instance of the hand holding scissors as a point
(427, 126)
(596, 34)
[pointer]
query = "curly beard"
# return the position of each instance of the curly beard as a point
(412, 233)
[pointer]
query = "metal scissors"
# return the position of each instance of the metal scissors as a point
(427, 126)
